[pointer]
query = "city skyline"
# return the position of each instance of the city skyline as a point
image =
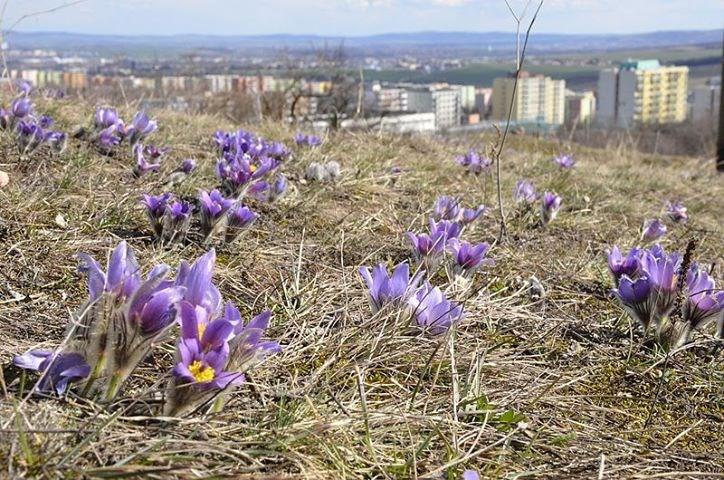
(353, 18)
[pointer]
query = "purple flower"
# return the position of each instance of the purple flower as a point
(142, 164)
(653, 230)
(445, 229)
(619, 265)
(45, 121)
(105, 118)
(278, 189)
(565, 162)
(153, 152)
(469, 215)
(524, 192)
(57, 370)
(198, 324)
(470, 475)
(467, 257)
(240, 219)
(155, 209)
(58, 141)
(389, 290)
(216, 347)
(204, 369)
(432, 311)
(21, 107)
(446, 208)
(307, 140)
(200, 291)
(278, 151)
(425, 246)
(662, 271)
(188, 166)
(636, 297)
(177, 220)
(549, 207)
(29, 135)
(475, 163)
(213, 207)
(677, 212)
(108, 138)
(132, 312)
(704, 302)
(141, 127)
(259, 190)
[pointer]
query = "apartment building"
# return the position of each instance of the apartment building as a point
(444, 102)
(642, 91)
(536, 99)
(580, 106)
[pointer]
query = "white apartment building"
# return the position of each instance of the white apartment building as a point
(537, 99)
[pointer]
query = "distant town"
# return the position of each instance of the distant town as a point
(328, 89)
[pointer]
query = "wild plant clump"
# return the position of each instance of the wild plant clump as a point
(667, 293)
(126, 316)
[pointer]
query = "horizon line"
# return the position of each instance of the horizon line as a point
(340, 36)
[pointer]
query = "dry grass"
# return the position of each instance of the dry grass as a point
(561, 387)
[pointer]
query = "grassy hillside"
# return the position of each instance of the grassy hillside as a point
(563, 386)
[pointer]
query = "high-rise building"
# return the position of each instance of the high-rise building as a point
(580, 106)
(537, 99)
(642, 91)
(444, 102)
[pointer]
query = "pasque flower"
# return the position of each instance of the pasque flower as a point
(21, 107)
(240, 219)
(278, 188)
(474, 162)
(141, 127)
(677, 212)
(123, 318)
(469, 215)
(155, 209)
(524, 192)
(302, 139)
(467, 258)
(446, 208)
(636, 298)
(648, 288)
(188, 166)
(653, 230)
(105, 117)
(57, 370)
(550, 205)
(619, 265)
(143, 165)
(29, 135)
(389, 290)
(432, 311)
(704, 303)
(565, 162)
(216, 347)
(176, 220)
(213, 207)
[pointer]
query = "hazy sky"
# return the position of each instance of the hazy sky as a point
(359, 17)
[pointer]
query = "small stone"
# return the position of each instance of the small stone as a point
(4, 179)
(60, 221)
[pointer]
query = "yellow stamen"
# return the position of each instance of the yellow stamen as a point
(202, 329)
(202, 373)
(253, 168)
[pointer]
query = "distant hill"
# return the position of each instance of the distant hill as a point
(393, 43)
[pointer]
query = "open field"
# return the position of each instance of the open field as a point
(703, 63)
(559, 387)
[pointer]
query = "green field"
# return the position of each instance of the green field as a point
(704, 63)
